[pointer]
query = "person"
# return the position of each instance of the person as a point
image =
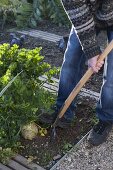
(88, 18)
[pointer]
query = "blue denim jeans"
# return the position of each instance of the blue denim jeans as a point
(104, 109)
(72, 71)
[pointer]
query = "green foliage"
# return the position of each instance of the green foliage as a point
(58, 14)
(41, 9)
(31, 12)
(5, 2)
(8, 11)
(66, 147)
(16, 11)
(6, 154)
(52, 10)
(47, 157)
(25, 99)
(24, 15)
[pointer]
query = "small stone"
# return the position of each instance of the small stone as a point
(79, 102)
(56, 157)
(46, 145)
(69, 159)
(86, 153)
(97, 168)
(51, 163)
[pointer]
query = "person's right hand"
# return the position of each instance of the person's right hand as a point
(92, 62)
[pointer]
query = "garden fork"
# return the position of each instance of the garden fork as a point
(77, 89)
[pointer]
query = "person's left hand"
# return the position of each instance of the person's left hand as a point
(92, 62)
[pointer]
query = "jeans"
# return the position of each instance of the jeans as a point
(72, 71)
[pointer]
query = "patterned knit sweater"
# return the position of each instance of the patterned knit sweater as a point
(87, 16)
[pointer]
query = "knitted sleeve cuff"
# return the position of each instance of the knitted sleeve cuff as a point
(92, 52)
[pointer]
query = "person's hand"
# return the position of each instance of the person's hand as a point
(92, 62)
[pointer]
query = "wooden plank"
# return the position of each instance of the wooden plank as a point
(54, 86)
(3, 167)
(16, 166)
(91, 92)
(83, 94)
(45, 38)
(46, 33)
(49, 86)
(24, 161)
(52, 39)
(42, 35)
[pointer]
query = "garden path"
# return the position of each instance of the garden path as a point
(85, 157)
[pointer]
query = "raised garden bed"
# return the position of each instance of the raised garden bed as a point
(40, 150)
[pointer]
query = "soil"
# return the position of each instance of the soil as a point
(41, 150)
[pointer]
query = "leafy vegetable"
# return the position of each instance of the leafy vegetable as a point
(25, 99)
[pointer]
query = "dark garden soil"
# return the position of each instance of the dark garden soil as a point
(41, 150)
(47, 153)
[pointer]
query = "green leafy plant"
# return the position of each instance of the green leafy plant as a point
(58, 14)
(24, 15)
(46, 157)
(8, 11)
(25, 99)
(66, 147)
(6, 154)
(30, 12)
(52, 10)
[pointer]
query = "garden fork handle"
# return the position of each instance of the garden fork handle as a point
(81, 83)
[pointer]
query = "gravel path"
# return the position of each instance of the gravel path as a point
(89, 158)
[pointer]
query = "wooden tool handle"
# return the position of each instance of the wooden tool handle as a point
(83, 80)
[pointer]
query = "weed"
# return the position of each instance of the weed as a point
(66, 147)
(46, 157)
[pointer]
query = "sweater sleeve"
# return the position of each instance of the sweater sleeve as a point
(81, 17)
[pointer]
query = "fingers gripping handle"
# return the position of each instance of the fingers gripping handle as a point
(83, 80)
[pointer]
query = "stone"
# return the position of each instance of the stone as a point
(56, 157)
